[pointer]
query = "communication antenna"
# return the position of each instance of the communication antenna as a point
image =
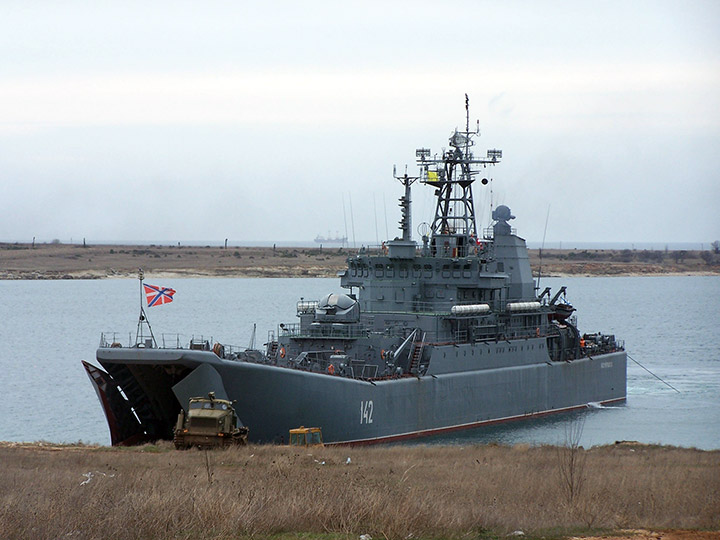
(344, 220)
(252, 338)
(352, 218)
(377, 233)
(491, 197)
(467, 124)
(387, 232)
(542, 248)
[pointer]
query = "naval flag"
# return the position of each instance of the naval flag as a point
(158, 295)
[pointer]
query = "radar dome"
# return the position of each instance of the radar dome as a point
(337, 308)
(502, 213)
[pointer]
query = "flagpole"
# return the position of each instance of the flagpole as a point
(139, 338)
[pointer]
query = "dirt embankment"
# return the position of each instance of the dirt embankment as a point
(626, 262)
(71, 261)
(64, 261)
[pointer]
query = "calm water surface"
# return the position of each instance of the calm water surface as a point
(669, 324)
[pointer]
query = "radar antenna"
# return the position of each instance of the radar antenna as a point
(454, 229)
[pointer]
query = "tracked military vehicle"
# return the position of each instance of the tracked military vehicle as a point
(208, 423)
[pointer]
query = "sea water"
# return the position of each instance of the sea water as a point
(671, 325)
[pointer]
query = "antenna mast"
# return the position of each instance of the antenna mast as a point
(405, 205)
(140, 337)
(467, 124)
(454, 228)
(542, 248)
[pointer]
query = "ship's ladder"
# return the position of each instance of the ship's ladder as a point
(416, 352)
(272, 349)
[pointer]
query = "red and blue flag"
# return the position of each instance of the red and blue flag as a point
(158, 295)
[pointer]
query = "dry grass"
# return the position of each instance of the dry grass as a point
(391, 492)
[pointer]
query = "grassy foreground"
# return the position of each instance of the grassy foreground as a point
(387, 492)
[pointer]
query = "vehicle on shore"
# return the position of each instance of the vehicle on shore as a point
(303, 436)
(208, 423)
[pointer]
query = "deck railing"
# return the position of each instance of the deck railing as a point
(305, 307)
(112, 340)
(327, 331)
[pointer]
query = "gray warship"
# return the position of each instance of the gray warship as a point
(449, 334)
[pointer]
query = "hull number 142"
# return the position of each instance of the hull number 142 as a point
(366, 411)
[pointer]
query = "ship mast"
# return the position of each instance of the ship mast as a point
(454, 228)
(405, 205)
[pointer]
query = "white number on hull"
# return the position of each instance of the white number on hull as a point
(366, 410)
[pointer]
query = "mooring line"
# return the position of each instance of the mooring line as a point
(651, 373)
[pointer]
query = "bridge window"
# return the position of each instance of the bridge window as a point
(467, 294)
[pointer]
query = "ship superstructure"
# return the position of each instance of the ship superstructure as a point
(447, 334)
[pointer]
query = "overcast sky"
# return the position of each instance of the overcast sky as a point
(257, 121)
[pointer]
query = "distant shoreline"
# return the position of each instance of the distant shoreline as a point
(72, 261)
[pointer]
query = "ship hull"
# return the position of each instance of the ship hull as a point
(272, 399)
(447, 336)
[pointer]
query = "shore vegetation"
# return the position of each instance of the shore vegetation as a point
(393, 492)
